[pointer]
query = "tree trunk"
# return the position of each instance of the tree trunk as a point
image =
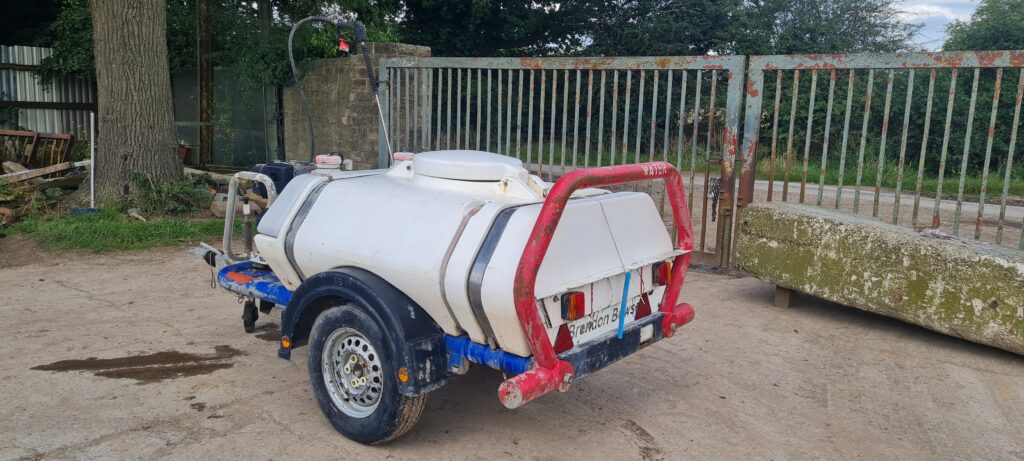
(134, 91)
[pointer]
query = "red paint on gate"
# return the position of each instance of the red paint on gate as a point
(816, 66)
(1017, 59)
(530, 64)
(987, 58)
(550, 372)
(729, 143)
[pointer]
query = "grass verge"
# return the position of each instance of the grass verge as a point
(111, 231)
(552, 154)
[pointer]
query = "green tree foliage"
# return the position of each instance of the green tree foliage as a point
(496, 27)
(373, 13)
(995, 25)
(71, 39)
(24, 25)
(812, 26)
(510, 28)
(654, 27)
(694, 27)
(660, 27)
(238, 41)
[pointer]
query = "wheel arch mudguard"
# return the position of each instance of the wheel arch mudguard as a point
(415, 339)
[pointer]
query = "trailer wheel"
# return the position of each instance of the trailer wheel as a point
(249, 316)
(353, 374)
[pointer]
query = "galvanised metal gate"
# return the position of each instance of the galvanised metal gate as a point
(802, 141)
(558, 114)
(899, 176)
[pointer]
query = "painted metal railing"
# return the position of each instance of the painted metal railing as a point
(794, 117)
(560, 114)
(859, 133)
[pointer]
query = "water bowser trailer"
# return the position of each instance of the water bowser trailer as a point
(400, 279)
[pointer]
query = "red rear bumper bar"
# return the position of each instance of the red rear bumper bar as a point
(552, 373)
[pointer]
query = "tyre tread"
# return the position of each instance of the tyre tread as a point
(412, 409)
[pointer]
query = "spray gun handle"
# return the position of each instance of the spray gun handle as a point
(359, 30)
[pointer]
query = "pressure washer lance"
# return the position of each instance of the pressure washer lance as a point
(360, 35)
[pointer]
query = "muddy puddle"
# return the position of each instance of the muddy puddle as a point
(269, 332)
(151, 368)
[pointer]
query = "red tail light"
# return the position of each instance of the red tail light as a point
(563, 340)
(662, 273)
(643, 309)
(574, 305)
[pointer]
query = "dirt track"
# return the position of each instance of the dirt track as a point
(176, 377)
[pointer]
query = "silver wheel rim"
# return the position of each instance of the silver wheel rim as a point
(352, 372)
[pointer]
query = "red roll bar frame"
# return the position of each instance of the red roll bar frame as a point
(550, 372)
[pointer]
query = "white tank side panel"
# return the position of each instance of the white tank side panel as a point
(283, 209)
(582, 250)
(272, 249)
(636, 225)
(461, 263)
(387, 226)
(273, 226)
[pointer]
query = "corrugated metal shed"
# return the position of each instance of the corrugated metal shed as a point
(22, 85)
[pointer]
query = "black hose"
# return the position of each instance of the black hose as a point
(369, 68)
(298, 80)
(360, 35)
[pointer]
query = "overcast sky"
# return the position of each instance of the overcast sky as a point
(935, 14)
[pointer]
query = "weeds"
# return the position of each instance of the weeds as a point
(172, 198)
(27, 201)
(169, 207)
(111, 231)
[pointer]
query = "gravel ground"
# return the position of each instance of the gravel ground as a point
(174, 376)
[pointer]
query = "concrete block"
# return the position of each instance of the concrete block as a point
(962, 288)
(783, 297)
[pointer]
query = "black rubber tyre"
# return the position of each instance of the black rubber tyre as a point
(394, 413)
(249, 316)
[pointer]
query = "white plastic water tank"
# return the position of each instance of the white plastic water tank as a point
(467, 165)
(448, 228)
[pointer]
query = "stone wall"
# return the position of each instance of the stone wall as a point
(344, 112)
(962, 288)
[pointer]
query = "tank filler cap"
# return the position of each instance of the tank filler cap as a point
(467, 165)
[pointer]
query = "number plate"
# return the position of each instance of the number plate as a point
(598, 323)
